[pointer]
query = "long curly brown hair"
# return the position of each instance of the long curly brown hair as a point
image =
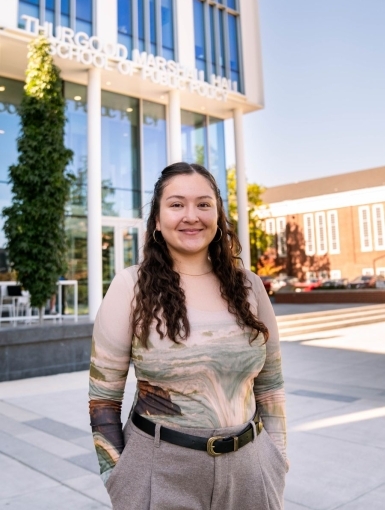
(159, 294)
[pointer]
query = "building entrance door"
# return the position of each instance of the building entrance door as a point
(121, 239)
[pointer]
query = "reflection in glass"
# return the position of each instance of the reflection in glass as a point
(167, 29)
(153, 26)
(65, 13)
(199, 33)
(217, 155)
(141, 24)
(11, 92)
(76, 231)
(233, 40)
(84, 16)
(130, 246)
(76, 139)
(155, 145)
(125, 24)
(30, 8)
(76, 220)
(212, 40)
(108, 256)
(50, 11)
(222, 52)
(121, 187)
(194, 138)
(10, 98)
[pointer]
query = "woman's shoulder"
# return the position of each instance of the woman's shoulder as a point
(129, 274)
(255, 282)
(253, 278)
(127, 277)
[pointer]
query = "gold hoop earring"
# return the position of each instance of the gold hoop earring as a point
(154, 236)
(220, 237)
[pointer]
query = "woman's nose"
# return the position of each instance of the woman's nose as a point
(190, 215)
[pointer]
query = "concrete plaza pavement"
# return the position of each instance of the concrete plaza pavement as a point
(335, 383)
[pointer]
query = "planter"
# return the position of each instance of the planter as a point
(332, 296)
(44, 350)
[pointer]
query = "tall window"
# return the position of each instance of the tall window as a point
(147, 25)
(76, 210)
(30, 8)
(121, 179)
(76, 14)
(217, 39)
(11, 92)
(281, 236)
(308, 226)
(83, 16)
(333, 232)
(365, 228)
(378, 226)
(125, 24)
(203, 142)
(270, 226)
(320, 223)
(155, 144)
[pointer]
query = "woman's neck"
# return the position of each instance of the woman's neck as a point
(192, 265)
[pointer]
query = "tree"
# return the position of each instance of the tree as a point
(34, 223)
(259, 240)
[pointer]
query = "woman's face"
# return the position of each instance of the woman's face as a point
(188, 214)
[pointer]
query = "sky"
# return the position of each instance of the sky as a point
(324, 83)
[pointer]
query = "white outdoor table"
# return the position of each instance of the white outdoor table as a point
(59, 316)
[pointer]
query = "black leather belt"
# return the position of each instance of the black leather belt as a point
(216, 445)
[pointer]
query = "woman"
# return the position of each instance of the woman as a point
(203, 338)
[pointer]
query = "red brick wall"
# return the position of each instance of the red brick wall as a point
(351, 260)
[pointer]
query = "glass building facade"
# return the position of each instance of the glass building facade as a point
(130, 115)
(75, 14)
(134, 152)
(217, 39)
(147, 25)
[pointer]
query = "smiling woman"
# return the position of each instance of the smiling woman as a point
(202, 335)
(188, 221)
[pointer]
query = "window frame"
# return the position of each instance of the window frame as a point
(221, 12)
(310, 243)
(330, 224)
(320, 215)
(362, 222)
(57, 13)
(281, 236)
(147, 43)
(378, 227)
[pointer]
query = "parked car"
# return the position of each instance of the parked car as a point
(367, 282)
(333, 284)
(308, 285)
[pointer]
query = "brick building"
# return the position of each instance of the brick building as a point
(332, 227)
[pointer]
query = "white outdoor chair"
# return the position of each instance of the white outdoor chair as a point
(8, 303)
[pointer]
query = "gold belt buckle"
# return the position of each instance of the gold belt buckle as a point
(259, 423)
(210, 446)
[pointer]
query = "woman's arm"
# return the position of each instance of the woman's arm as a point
(268, 386)
(110, 358)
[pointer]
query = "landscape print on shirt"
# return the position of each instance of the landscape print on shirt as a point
(206, 381)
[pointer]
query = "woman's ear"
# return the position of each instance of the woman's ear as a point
(157, 223)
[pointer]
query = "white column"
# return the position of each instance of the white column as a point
(175, 127)
(243, 217)
(94, 179)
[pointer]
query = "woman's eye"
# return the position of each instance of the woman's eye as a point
(204, 204)
(176, 205)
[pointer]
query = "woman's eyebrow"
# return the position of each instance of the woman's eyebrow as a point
(181, 197)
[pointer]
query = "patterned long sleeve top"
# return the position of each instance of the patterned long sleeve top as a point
(214, 379)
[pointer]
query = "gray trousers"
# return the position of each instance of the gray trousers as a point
(155, 475)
